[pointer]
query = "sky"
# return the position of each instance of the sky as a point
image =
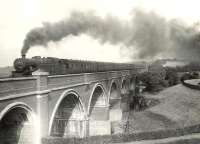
(20, 16)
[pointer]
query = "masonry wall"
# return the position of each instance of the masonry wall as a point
(42, 92)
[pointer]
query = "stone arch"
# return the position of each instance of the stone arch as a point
(68, 118)
(98, 98)
(124, 86)
(98, 112)
(115, 112)
(126, 95)
(18, 124)
(114, 90)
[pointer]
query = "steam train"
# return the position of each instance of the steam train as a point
(55, 66)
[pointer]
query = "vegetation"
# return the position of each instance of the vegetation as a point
(191, 67)
(190, 75)
(123, 137)
(171, 76)
(153, 81)
(159, 77)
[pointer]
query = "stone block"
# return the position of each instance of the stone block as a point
(115, 115)
(99, 128)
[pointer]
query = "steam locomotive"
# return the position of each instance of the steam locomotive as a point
(55, 66)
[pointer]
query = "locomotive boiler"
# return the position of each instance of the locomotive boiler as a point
(55, 66)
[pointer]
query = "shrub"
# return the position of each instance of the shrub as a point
(171, 77)
(154, 81)
(191, 75)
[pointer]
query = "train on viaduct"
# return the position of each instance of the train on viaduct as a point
(38, 101)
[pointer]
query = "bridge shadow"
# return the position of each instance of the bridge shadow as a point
(16, 127)
(115, 97)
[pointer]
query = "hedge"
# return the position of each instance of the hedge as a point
(120, 138)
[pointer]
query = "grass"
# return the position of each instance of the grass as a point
(179, 107)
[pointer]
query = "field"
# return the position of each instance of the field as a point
(5, 71)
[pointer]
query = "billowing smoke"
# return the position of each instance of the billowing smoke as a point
(149, 34)
(108, 29)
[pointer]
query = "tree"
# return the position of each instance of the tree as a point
(152, 81)
(171, 76)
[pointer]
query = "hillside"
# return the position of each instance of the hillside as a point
(179, 107)
(6, 71)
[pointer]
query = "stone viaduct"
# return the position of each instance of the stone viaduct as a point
(74, 105)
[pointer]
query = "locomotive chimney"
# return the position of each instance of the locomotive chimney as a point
(23, 56)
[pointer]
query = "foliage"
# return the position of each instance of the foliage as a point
(125, 137)
(153, 81)
(171, 76)
(139, 103)
(190, 67)
(191, 75)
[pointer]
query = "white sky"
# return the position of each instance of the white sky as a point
(19, 16)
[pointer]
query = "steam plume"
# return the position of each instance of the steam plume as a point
(148, 33)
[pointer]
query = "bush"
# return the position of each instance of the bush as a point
(171, 77)
(165, 83)
(121, 138)
(139, 103)
(154, 81)
(191, 75)
(105, 139)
